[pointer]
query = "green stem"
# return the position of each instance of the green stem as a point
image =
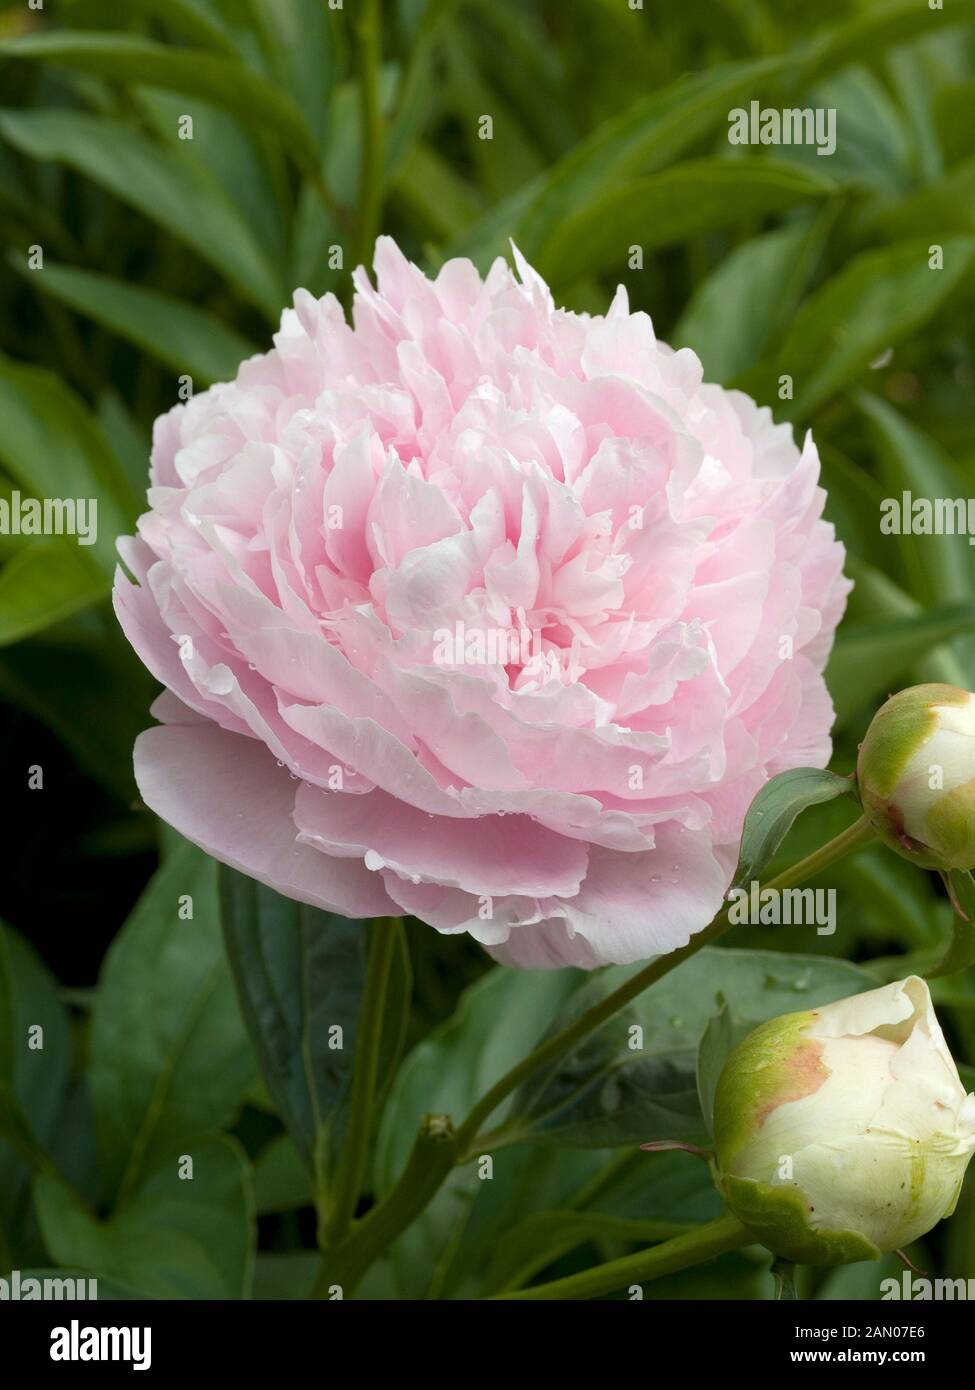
(431, 1159)
(429, 1165)
(368, 32)
(854, 838)
(706, 1243)
(348, 1183)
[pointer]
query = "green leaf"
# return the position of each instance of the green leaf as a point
(873, 146)
(176, 1237)
(652, 132)
(937, 569)
(99, 712)
(939, 208)
(218, 79)
(669, 207)
(881, 25)
(33, 1079)
(44, 583)
(299, 974)
(198, 20)
(954, 110)
(130, 444)
(739, 309)
(771, 815)
(861, 1281)
(169, 1058)
(53, 446)
(175, 192)
(876, 300)
(435, 196)
(722, 1034)
(281, 1181)
(251, 172)
(961, 952)
(301, 39)
(498, 1020)
(286, 1276)
(622, 1087)
(541, 1239)
(869, 659)
(184, 337)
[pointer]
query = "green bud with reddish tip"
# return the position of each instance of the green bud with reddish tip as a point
(843, 1132)
(916, 776)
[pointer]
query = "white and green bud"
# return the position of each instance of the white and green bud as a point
(844, 1132)
(916, 776)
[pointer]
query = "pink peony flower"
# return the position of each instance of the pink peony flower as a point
(482, 611)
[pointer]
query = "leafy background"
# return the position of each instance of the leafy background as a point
(165, 257)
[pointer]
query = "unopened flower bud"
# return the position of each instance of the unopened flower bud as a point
(844, 1132)
(916, 776)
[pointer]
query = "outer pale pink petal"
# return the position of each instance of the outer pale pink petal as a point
(495, 855)
(631, 906)
(225, 792)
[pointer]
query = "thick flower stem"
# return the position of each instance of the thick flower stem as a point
(423, 1177)
(355, 1151)
(369, 29)
(431, 1159)
(854, 838)
(706, 1243)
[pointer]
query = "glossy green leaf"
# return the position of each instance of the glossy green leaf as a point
(498, 1020)
(169, 1059)
(771, 815)
(621, 1086)
(34, 1065)
(299, 974)
(722, 1034)
(176, 1237)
